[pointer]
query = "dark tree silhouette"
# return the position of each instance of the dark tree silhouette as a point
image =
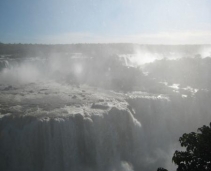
(197, 156)
(161, 169)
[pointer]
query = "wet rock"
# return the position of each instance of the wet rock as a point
(74, 97)
(8, 88)
(102, 106)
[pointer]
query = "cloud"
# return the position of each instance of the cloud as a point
(172, 37)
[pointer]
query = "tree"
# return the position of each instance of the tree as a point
(161, 169)
(197, 156)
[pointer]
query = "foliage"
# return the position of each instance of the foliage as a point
(197, 156)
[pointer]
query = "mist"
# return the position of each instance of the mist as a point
(107, 107)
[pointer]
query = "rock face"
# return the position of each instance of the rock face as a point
(95, 141)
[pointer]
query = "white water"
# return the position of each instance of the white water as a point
(93, 142)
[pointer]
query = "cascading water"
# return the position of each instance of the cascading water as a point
(91, 141)
(54, 115)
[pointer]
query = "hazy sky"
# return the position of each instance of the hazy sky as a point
(92, 21)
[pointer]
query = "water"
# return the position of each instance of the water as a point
(78, 112)
(77, 142)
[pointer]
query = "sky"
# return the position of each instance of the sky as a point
(105, 21)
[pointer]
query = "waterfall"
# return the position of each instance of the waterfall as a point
(78, 142)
